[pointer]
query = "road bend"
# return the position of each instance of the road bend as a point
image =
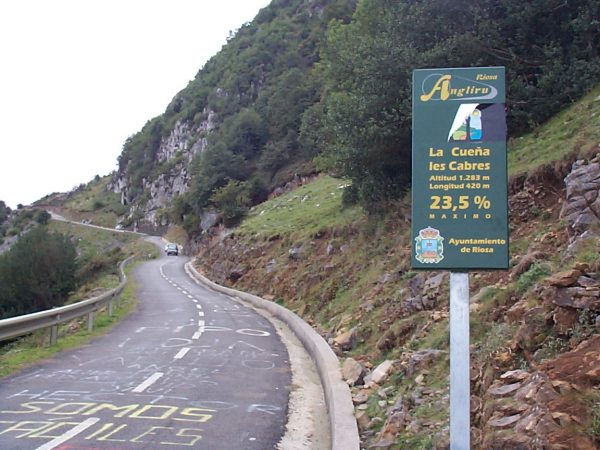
(190, 368)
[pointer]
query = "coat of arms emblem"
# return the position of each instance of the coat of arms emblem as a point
(430, 246)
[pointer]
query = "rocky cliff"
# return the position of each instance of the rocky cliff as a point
(173, 158)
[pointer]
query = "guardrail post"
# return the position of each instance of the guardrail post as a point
(110, 308)
(90, 321)
(53, 334)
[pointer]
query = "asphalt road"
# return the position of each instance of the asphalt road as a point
(190, 368)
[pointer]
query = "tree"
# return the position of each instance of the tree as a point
(367, 66)
(245, 133)
(37, 273)
(42, 217)
(233, 200)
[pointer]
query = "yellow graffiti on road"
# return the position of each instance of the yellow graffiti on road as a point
(107, 431)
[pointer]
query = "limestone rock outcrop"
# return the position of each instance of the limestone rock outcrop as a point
(172, 177)
(582, 208)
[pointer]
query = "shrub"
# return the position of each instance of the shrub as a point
(42, 217)
(233, 200)
(529, 278)
(37, 273)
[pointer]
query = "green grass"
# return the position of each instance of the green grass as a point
(96, 202)
(312, 208)
(94, 246)
(94, 241)
(34, 348)
(574, 130)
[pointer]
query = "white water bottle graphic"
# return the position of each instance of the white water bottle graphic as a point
(475, 130)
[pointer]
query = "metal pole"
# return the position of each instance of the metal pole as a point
(459, 362)
(53, 334)
(90, 321)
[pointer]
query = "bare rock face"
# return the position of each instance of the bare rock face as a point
(582, 208)
(173, 157)
(579, 367)
(540, 409)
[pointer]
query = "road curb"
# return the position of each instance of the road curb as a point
(344, 430)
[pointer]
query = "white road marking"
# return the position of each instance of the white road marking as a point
(69, 434)
(201, 324)
(199, 306)
(122, 344)
(181, 353)
(194, 300)
(201, 313)
(235, 344)
(152, 379)
(197, 335)
(190, 296)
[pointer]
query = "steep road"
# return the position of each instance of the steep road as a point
(190, 368)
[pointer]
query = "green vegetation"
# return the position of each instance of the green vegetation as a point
(62, 262)
(37, 273)
(4, 212)
(302, 212)
(535, 273)
(258, 87)
(94, 201)
(594, 427)
(96, 269)
(22, 220)
(99, 254)
(328, 84)
(368, 63)
(572, 131)
(20, 353)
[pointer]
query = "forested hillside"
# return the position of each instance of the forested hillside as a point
(326, 84)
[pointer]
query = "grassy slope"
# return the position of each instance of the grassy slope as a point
(301, 213)
(91, 243)
(91, 202)
(347, 288)
(574, 131)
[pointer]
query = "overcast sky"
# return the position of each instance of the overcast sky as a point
(78, 77)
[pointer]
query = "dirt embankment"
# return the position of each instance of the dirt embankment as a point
(535, 364)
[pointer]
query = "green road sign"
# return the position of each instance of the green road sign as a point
(459, 176)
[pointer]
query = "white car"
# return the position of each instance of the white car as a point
(171, 249)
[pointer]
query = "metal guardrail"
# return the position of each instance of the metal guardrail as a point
(51, 318)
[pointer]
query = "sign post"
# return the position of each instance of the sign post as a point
(459, 199)
(460, 389)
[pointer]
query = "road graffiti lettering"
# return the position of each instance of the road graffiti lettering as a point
(106, 430)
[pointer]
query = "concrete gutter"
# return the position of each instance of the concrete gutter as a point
(344, 431)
